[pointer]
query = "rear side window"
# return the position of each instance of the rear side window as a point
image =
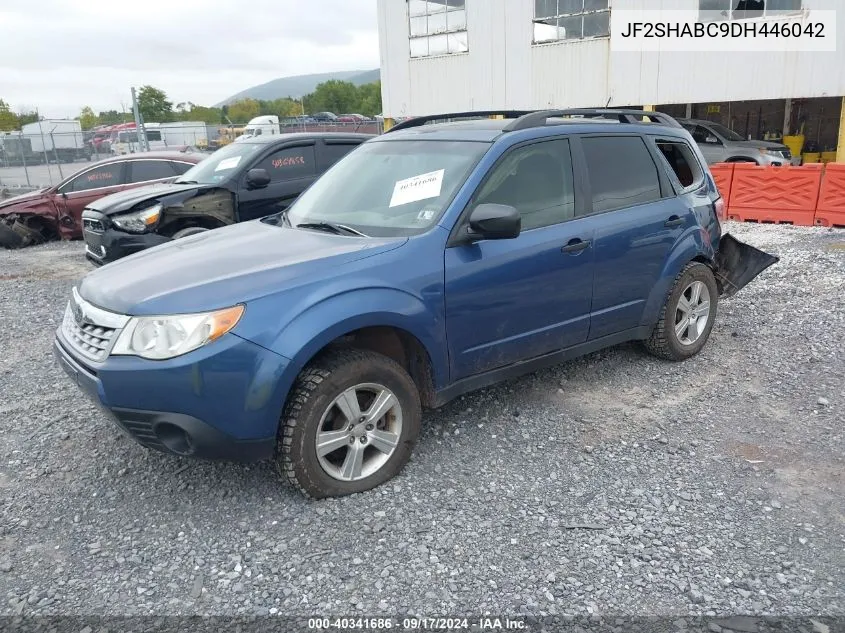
(290, 163)
(144, 170)
(106, 176)
(681, 160)
(179, 168)
(621, 171)
(333, 152)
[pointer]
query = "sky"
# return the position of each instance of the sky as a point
(60, 55)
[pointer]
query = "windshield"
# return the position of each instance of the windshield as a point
(389, 188)
(221, 164)
(725, 132)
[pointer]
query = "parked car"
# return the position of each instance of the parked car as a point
(324, 117)
(56, 212)
(431, 261)
(351, 118)
(241, 181)
(721, 145)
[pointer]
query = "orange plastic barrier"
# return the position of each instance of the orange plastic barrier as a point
(723, 174)
(830, 210)
(779, 195)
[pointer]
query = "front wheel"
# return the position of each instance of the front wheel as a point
(191, 230)
(687, 317)
(350, 424)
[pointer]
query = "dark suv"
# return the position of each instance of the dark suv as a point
(430, 261)
(242, 181)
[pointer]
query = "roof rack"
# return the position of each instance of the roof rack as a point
(422, 120)
(538, 119)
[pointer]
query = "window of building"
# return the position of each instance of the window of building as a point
(718, 10)
(622, 172)
(437, 27)
(556, 20)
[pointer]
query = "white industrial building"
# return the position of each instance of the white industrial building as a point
(461, 55)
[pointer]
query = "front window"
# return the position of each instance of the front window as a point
(719, 10)
(221, 164)
(389, 188)
(556, 20)
(437, 27)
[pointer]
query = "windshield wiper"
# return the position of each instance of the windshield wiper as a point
(331, 227)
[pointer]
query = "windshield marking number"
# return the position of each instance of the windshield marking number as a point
(418, 188)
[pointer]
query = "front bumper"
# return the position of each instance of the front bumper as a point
(220, 402)
(106, 243)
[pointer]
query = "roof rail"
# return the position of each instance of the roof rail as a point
(538, 119)
(422, 120)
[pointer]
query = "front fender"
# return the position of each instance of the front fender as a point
(694, 243)
(303, 336)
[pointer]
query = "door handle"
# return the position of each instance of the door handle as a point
(575, 246)
(674, 220)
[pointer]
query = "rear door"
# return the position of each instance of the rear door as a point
(639, 220)
(89, 185)
(292, 169)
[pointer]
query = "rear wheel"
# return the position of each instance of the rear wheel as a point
(687, 317)
(350, 424)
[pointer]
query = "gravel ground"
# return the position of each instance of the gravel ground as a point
(614, 484)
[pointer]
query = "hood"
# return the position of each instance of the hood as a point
(125, 200)
(223, 267)
(758, 144)
(32, 196)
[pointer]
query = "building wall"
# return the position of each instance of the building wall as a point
(503, 69)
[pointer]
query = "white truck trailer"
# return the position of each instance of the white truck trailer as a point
(58, 139)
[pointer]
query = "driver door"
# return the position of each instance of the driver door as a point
(711, 147)
(292, 169)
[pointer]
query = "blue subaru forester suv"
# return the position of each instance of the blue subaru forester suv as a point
(433, 260)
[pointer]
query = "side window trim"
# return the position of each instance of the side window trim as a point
(675, 183)
(663, 180)
(577, 182)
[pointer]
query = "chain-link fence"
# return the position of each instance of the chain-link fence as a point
(45, 153)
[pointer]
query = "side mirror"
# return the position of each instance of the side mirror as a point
(494, 222)
(257, 178)
(711, 139)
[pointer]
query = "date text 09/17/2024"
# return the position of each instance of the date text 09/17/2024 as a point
(417, 624)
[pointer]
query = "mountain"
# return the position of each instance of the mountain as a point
(300, 85)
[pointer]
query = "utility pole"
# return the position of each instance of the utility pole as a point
(139, 124)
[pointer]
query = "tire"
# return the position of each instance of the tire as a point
(670, 339)
(312, 409)
(191, 230)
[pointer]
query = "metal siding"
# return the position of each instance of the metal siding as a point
(503, 68)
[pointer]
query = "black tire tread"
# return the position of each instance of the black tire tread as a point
(317, 371)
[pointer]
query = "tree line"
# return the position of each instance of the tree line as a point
(10, 121)
(336, 96)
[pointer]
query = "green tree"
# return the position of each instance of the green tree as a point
(8, 119)
(244, 110)
(334, 95)
(369, 99)
(112, 117)
(27, 116)
(154, 106)
(198, 113)
(87, 118)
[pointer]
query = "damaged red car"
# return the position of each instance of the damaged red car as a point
(55, 213)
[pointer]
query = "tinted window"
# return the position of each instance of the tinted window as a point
(180, 168)
(681, 160)
(105, 176)
(290, 163)
(622, 172)
(333, 152)
(537, 181)
(143, 170)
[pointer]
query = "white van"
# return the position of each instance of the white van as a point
(260, 126)
(126, 141)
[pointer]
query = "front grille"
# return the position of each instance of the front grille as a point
(93, 225)
(89, 339)
(89, 330)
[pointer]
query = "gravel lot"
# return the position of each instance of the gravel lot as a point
(615, 484)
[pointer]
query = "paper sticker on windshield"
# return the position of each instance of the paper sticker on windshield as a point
(228, 163)
(427, 214)
(417, 188)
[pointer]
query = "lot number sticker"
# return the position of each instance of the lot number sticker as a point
(417, 188)
(228, 163)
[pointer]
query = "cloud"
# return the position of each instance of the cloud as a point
(68, 53)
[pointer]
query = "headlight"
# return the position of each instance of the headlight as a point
(139, 221)
(770, 151)
(161, 337)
